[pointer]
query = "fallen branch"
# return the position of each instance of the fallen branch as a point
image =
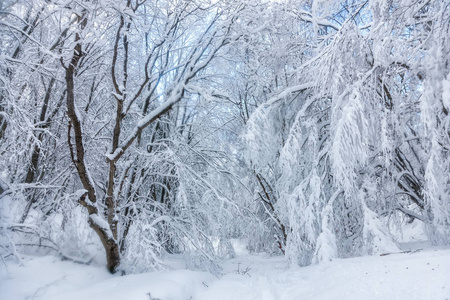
(407, 251)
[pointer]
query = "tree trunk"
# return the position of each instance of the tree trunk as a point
(104, 231)
(112, 256)
(111, 246)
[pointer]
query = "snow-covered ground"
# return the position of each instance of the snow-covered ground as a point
(423, 274)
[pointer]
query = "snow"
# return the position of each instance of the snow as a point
(287, 92)
(112, 156)
(102, 223)
(79, 193)
(41, 277)
(416, 275)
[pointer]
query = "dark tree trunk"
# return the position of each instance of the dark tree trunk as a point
(108, 236)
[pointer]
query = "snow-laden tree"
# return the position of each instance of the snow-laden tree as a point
(143, 179)
(31, 100)
(354, 158)
(181, 40)
(434, 112)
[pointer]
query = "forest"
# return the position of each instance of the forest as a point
(140, 129)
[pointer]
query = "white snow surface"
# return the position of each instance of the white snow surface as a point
(424, 274)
